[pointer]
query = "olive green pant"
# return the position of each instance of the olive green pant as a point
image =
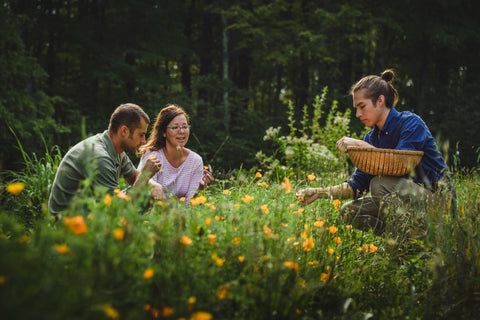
(365, 213)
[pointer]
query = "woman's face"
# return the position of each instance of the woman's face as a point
(368, 112)
(177, 132)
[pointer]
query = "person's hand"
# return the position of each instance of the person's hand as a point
(207, 179)
(345, 142)
(152, 166)
(157, 191)
(307, 196)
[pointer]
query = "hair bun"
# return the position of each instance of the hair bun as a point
(388, 75)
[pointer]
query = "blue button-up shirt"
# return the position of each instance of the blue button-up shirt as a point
(403, 131)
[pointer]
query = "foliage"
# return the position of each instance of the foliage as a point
(243, 248)
(309, 147)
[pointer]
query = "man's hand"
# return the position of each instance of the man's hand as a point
(345, 142)
(152, 166)
(308, 195)
(207, 179)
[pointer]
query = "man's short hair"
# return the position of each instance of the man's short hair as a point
(127, 114)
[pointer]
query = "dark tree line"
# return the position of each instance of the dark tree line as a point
(233, 65)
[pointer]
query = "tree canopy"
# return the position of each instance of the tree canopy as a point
(233, 65)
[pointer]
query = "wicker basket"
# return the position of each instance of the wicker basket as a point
(384, 162)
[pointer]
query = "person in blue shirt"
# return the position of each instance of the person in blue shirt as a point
(374, 99)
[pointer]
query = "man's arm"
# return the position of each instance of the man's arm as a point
(340, 191)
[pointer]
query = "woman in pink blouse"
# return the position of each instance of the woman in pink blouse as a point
(181, 172)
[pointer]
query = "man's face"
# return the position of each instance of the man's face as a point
(367, 111)
(136, 138)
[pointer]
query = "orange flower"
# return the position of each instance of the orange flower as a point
(15, 187)
(325, 276)
(148, 273)
(76, 224)
(211, 238)
(308, 244)
(236, 241)
(258, 175)
(223, 291)
(191, 302)
(152, 156)
(201, 315)
(263, 184)
(201, 199)
(330, 251)
(311, 177)
(123, 195)
(218, 261)
(332, 229)
(236, 205)
(287, 185)
(247, 198)
(108, 200)
(182, 199)
(292, 265)
(62, 248)
(185, 241)
(226, 191)
(349, 227)
(319, 223)
(123, 221)
(337, 240)
(241, 258)
(264, 208)
(336, 203)
(167, 311)
(118, 233)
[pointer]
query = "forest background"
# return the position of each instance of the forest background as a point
(233, 65)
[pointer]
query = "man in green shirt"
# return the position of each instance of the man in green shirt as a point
(104, 155)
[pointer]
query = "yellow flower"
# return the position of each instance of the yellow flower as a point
(311, 177)
(226, 191)
(330, 251)
(247, 198)
(241, 258)
(292, 265)
(148, 273)
(76, 224)
(110, 311)
(201, 199)
(201, 315)
(205, 167)
(264, 208)
(299, 211)
(236, 241)
(308, 244)
(191, 302)
(212, 207)
(263, 184)
(211, 238)
(336, 203)
(223, 291)
(152, 156)
(62, 248)
(15, 187)
(258, 175)
(287, 185)
(182, 199)
(108, 200)
(332, 229)
(118, 233)
(218, 261)
(3, 279)
(371, 247)
(284, 225)
(185, 240)
(337, 240)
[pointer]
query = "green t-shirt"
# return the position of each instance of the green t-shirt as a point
(94, 153)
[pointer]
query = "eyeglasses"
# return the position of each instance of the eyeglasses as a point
(176, 129)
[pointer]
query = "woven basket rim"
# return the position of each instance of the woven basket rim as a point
(406, 152)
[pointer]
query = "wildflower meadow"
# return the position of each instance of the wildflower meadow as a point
(243, 248)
